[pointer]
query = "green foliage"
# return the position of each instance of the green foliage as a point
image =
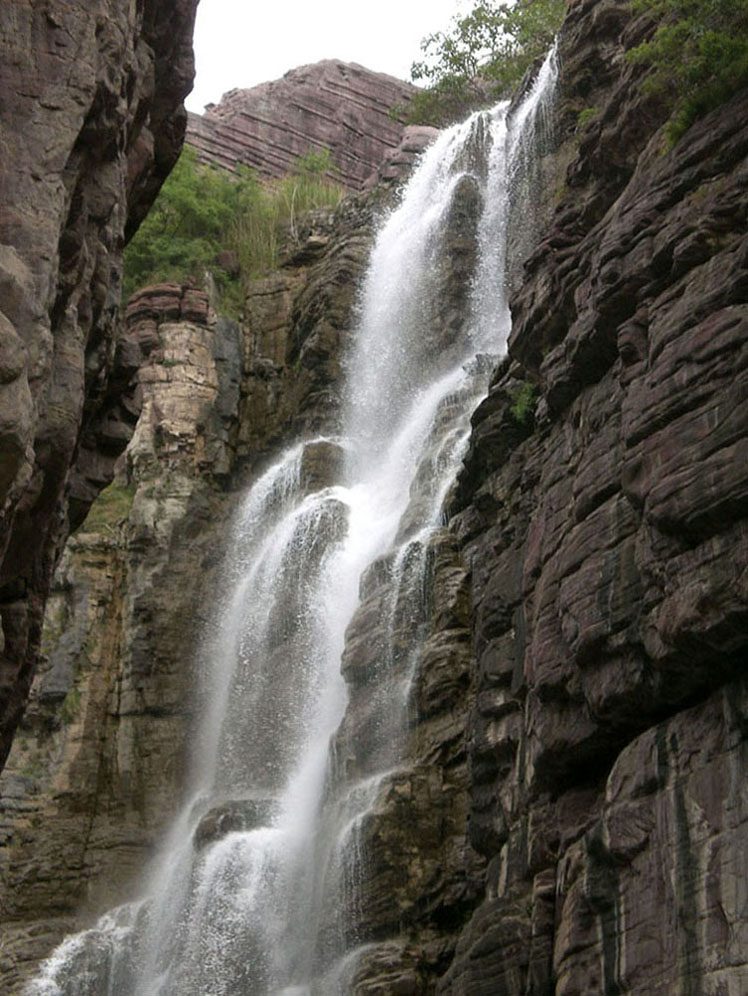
(585, 116)
(482, 57)
(699, 55)
(184, 229)
(33, 769)
(522, 408)
(70, 706)
(111, 507)
(257, 235)
(203, 212)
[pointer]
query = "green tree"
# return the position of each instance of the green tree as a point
(203, 212)
(482, 57)
(698, 54)
(185, 229)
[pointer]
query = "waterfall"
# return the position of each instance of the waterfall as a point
(263, 863)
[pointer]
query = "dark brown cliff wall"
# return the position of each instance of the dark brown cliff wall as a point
(607, 536)
(92, 121)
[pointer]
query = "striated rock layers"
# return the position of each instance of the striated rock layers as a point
(328, 105)
(570, 815)
(97, 765)
(91, 104)
(606, 530)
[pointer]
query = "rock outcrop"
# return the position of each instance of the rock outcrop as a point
(96, 765)
(328, 105)
(91, 104)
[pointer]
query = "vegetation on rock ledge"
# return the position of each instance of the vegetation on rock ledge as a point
(206, 218)
(111, 507)
(699, 55)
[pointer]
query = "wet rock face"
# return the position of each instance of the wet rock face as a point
(98, 763)
(237, 815)
(91, 103)
(605, 527)
(297, 326)
(328, 105)
(415, 878)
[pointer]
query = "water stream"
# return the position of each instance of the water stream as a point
(239, 902)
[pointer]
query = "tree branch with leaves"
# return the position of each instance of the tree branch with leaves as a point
(482, 57)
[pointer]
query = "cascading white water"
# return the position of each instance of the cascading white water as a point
(234, 904)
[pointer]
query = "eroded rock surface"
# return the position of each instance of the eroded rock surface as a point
(97, 767)
(605, 526)
(91, 104)
(327, 105)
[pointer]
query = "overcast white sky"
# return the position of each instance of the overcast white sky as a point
(239, 43)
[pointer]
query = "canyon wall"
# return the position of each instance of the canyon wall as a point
(98, 764)
(330, 105)
(605, 528)
(91, 104)
(570, 817)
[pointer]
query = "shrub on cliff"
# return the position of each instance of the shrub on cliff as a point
(185, 229)
(699, 55)
(204, 215)
(482, 57)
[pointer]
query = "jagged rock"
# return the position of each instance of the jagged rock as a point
(398, 162)
(416, 877)
(104, 739)
(321, 464)
(230, 817)
(328, 105)
(652, 897)
(298, 320)
(91, 103)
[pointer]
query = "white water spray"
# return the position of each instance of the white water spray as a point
(262, 849)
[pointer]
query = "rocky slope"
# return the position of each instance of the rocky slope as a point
(328, 105)
(91, 103)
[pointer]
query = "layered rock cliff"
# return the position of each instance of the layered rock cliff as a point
(570, 816)
(330, 105)
(606, 532)
(91, 103)
(97, 767)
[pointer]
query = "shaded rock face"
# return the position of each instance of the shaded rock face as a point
(297, 323)
(399, 162)
(98, 765)
(91, 103)
(327, 105)
(416, 877)
(606, 532)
